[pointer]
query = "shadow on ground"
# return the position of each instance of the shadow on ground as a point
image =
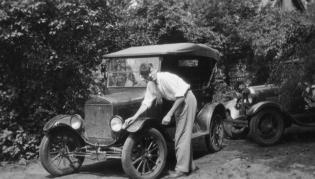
(110, 168)
(296, 148)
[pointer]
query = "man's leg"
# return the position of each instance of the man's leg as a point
(183, 135)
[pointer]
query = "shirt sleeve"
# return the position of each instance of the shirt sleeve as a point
(149, 96)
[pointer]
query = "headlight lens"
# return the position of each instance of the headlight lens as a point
(250, 99)
(116, 123)
(76, 123)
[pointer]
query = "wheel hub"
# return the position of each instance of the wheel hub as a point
(267, 126)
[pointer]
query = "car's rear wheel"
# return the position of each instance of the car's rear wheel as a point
(266, 127)
(144, 154)
(214, 140)
(55, 153)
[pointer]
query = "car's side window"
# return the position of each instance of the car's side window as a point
(188, 63)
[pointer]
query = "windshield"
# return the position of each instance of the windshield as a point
(124, 72)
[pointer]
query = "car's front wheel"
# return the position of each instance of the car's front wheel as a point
(144, 154)
(266, 127)
(56, 150)
(214, 140)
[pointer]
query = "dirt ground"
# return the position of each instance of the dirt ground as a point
(293, 158)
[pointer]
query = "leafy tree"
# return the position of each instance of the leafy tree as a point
(48, 50)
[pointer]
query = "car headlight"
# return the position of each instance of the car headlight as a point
(76, 123)
(250, 99)
(116, 123)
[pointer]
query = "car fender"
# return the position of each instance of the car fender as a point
(204, 116)
(139, 123)
(270, 105)
(74, 122)
(263, 105)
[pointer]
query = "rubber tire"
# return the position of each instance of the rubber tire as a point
(126, 154)
(253, 128)
(211, 146)
(43, 155)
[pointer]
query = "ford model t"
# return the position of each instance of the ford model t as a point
(143, 146)
(263, 112)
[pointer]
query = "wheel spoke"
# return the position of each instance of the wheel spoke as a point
(64, 162)
(139, 165)
(72, 162)
(153, 162)
(137, 160)
(213, 140)
(153, 149)
(154, 155)
(67, 148)
(55, 157)
(143, 167)
(59, 161)
(149, 147)
(147, 165)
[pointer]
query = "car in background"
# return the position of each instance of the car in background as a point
(262, 113)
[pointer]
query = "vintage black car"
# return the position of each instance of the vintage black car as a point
(261, 113)
(143, 146)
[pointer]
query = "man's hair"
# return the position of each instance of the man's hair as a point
(145, 69)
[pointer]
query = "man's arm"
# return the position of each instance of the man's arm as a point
(140, 111)
(167, 118)
(146, 103)
(133, 118)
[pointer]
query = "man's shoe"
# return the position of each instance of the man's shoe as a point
(194, 170)
(175, 174)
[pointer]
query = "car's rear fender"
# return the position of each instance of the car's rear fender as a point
(206, 114)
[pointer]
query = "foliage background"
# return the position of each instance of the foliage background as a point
(49, 51)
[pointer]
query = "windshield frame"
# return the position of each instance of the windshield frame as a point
(108, 71)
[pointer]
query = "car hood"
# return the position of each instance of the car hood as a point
(264, 90)
(118, 97)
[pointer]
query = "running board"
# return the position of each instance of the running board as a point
(295, 120)
(199, 134)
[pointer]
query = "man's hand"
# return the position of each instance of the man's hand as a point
(166, 120)
(128, 122)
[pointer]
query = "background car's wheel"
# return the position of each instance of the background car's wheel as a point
(214, 140)
(54, 152)
(144, 154)
(266, 127)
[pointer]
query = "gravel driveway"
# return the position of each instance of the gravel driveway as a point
(293, 158)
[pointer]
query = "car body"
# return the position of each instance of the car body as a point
(100, 134)
(266, 114)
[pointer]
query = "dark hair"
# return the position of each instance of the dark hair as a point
(145, 69)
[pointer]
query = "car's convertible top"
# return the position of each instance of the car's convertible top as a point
(189, 49)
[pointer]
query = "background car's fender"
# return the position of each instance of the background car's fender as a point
(204, 116)
(73, 122)
(270, 105)
(263, 105)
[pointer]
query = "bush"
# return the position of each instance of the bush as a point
(48, 51)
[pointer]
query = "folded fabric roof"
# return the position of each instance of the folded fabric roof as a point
(189, 49)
